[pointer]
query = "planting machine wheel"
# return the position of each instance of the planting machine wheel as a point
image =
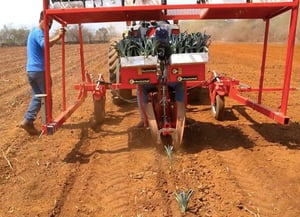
(119, 96)
(99, 111)
(217, 94)
(218, 108)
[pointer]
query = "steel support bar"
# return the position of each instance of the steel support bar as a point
(52, 127)
(81, 52)
(173, 12)
(289, 60)
(47, 65)
(279, 117)
(266, 89)
(263, 62)
(87, 86)
(63, 72)
(92, 86)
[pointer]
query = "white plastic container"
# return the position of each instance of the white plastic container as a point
(268, 1)
(88, 4)
(67, 4)
(142, 2)
(189, 58)
(178, 2)
(226, 1)
(107, 3)
(138, 61)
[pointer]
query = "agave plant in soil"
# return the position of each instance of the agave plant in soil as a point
(183, 199)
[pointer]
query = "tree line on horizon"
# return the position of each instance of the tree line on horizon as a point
(220, 30)
(10, 36)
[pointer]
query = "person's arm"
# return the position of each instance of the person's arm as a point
(56, 38)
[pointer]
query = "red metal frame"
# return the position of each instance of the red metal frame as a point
(188, 72)
(265, 11)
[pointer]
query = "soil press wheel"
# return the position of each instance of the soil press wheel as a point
(99, 111)
(218, 108)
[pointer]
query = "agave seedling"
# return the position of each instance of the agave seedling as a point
(135, 48)
(122, 47)
(154, 45)
(169, 152)
(183, 199)
(174, 44)
(182, 37)
(182, 43)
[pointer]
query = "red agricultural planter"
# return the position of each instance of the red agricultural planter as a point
(164, 116)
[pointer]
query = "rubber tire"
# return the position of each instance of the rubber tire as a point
(99, 111)
(218, 109)
(114, 59)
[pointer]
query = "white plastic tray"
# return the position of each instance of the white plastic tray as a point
(189, 58)
(138, 61)
(185, 58)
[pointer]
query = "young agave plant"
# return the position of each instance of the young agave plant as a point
(135, 48)
(148, 46)
(120, 48)
(154, 44)
(182, 43)
(123, 46)
(169, 151)
(183, 199)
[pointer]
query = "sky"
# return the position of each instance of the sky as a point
(22, 13)
(18, 13)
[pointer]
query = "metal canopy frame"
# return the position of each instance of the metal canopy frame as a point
(172, 12)
(265, 11)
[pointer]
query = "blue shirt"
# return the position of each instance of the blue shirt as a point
(35, 51)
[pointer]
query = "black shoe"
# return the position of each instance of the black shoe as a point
(29, 128)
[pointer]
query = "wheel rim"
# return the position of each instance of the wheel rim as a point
(218, 108)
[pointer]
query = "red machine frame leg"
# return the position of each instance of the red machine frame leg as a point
(289, 60)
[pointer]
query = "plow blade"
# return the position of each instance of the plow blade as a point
(161, 135)
(152, 122)
(180, 122)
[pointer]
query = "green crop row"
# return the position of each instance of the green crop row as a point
(182, 43)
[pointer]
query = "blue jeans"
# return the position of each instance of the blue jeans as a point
(37, 83)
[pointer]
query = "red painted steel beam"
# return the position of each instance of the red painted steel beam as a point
(47, 66)
(263, 61)
(51, 127)
(63, 73)
(81, 53)
(265, 89)
(277, 116)
(174, 12)
(289, 59)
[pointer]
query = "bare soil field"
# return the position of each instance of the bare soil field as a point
(244, 166)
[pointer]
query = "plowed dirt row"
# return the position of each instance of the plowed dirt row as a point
(245, 166)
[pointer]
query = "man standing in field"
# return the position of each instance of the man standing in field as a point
(35, 68)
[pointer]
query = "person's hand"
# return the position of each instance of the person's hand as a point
(58, 36)
(61, 32)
